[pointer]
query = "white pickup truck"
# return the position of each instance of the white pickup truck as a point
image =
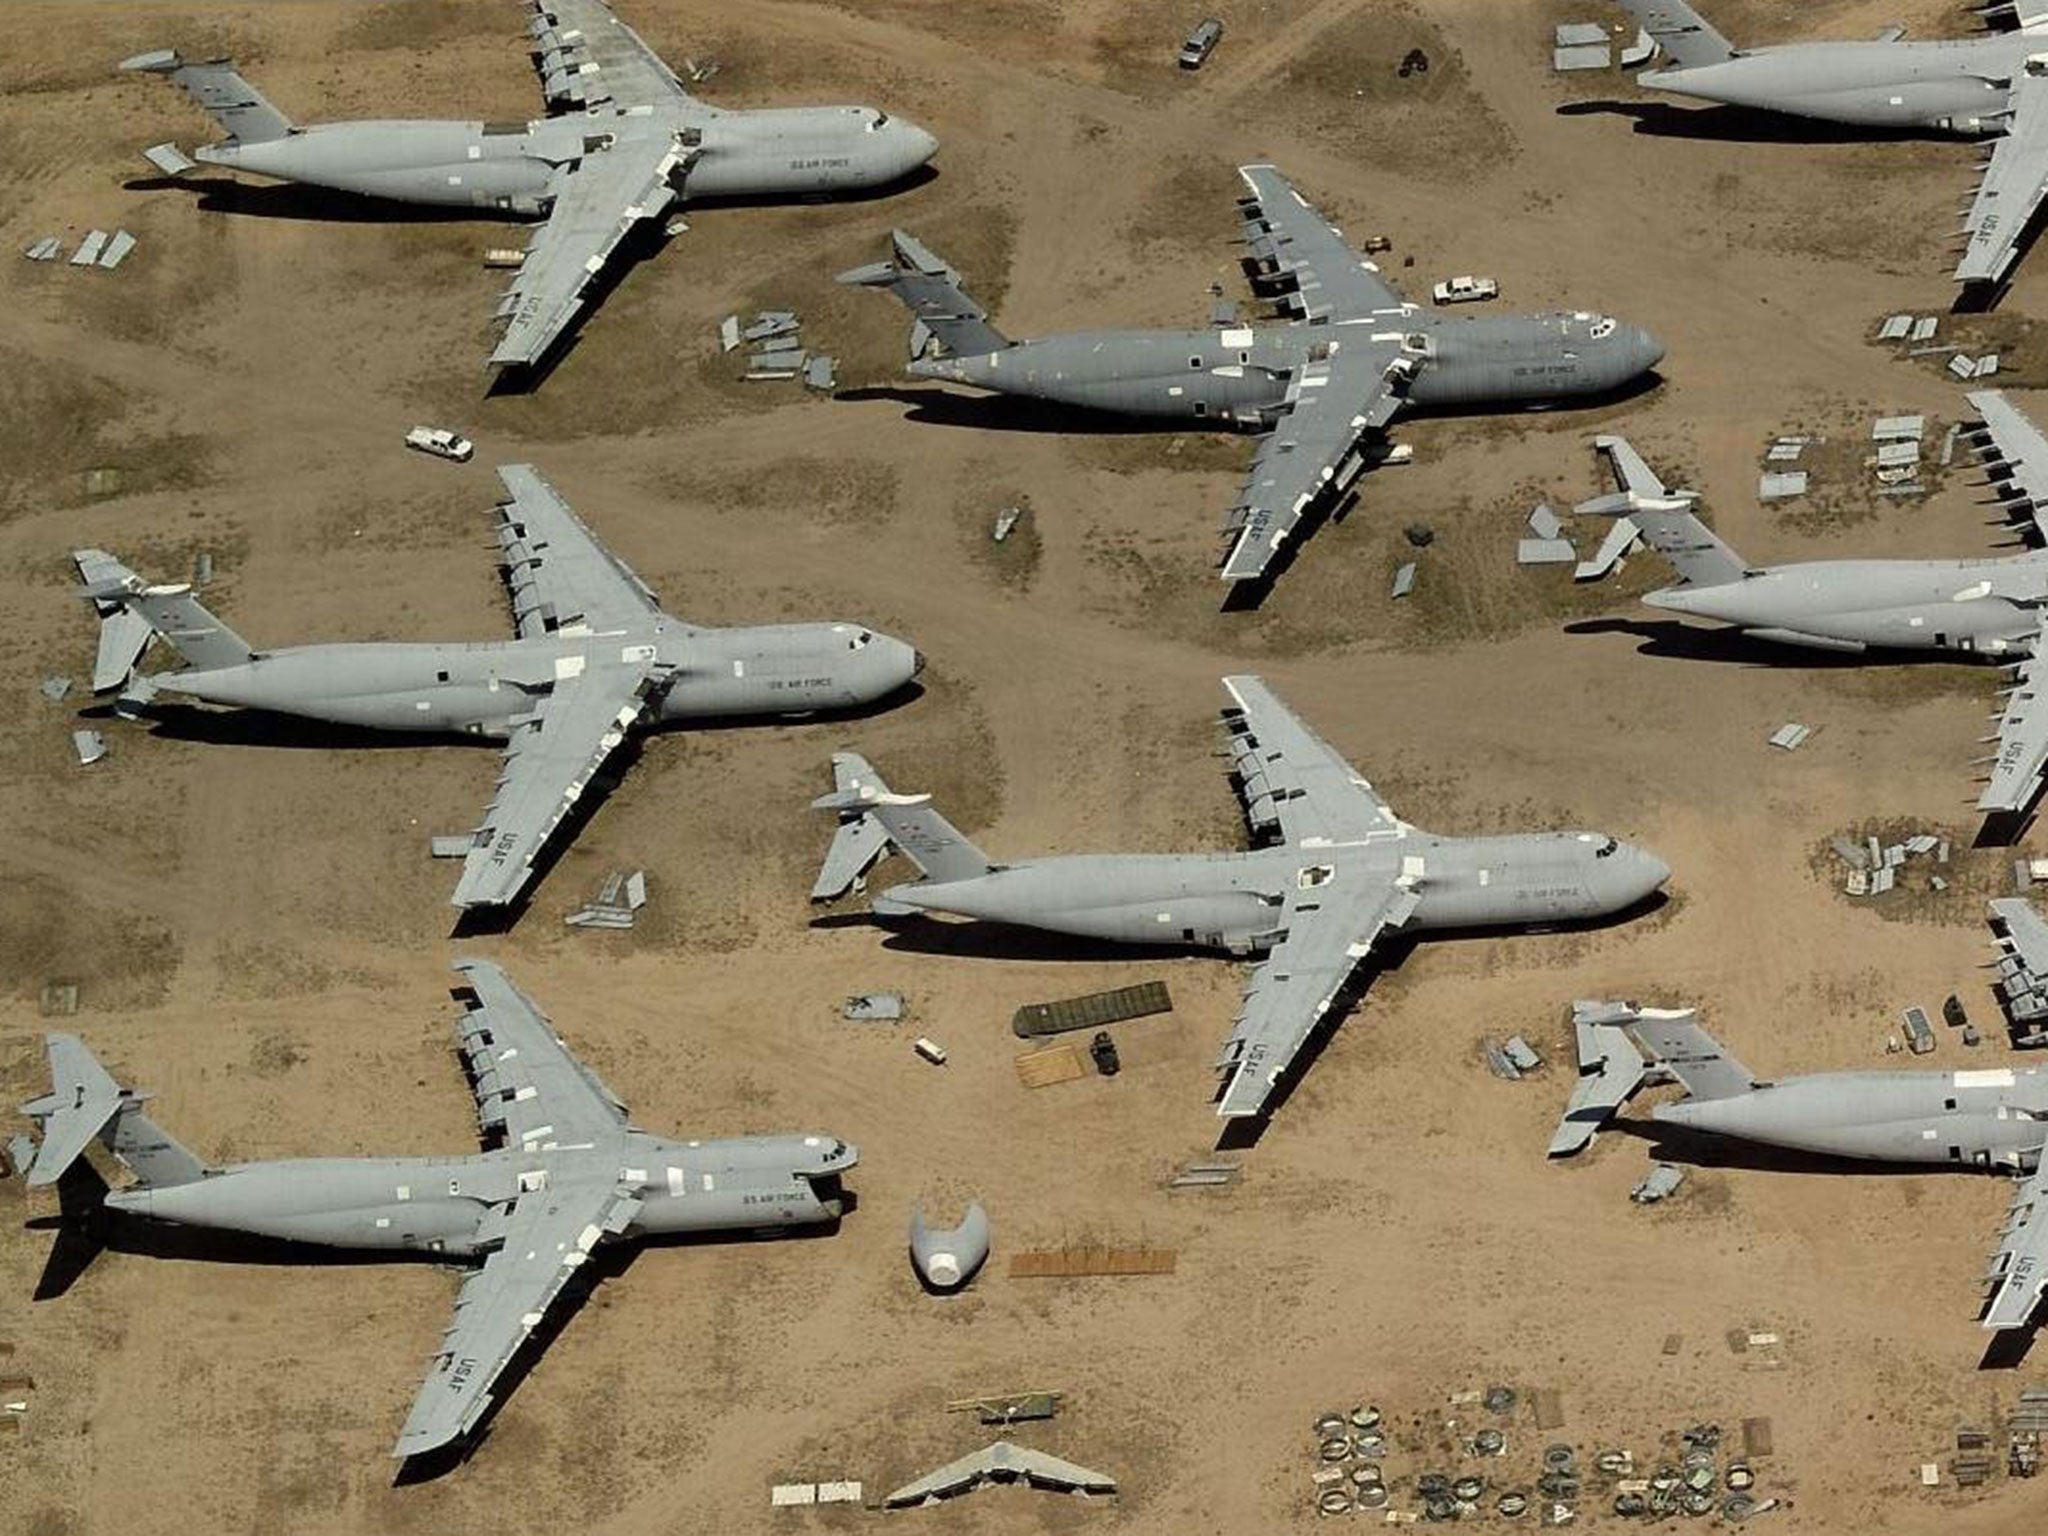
(1465, 290)
(441, 443)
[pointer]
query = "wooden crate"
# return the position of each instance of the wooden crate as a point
(1054, 1064)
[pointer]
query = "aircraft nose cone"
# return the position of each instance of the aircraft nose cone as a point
(919, 147)
(1647, 874)
(917, 664)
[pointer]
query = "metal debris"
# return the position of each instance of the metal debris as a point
(55, 688)
(1621, 537)
(1522, 1054)
(90, 746)
(1639, 51)
(1543, 522)
(117, 249)
(1206, 1175)
(1404, 580)
(1545, 552)
(202, 568)
(1582, 56)
(501, 257)
(1777, 485)
(1790, 736)
(169, 159)
(1923, 328)
(89, 249)
(771, 322)
(618, 900)
(1987, 365)
(59, 1000)
(453, 846)
(1895, 328)
(1919, 1033)
(821, 373)
(49, 248)
(1660, 1184)
(1963, 366)
(948, 1258)
(1498, 1061)
(1786, 450)
(1002, 1462)
(1009, 1407)
(1898, 429)
(1006, 523)
(729, 333)
(1948, 441)
(872, 1007)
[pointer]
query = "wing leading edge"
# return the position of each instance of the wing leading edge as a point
(2018, 1276)
(2014, 184)
(2017, 770)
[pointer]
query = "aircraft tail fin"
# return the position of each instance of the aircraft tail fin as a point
(931, 291)
(220, 92)
(873, 819)
(1665, 518)
(1673, 1039)
(132, 611)
(85, 1104)
(1682, 32)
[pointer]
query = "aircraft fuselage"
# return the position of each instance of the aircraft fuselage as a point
(1950, 86)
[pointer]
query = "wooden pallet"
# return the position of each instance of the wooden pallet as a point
(1054, 1064)
(1091, 1011)
(1072, 1263)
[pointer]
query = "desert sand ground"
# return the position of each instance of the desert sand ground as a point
(260, 938)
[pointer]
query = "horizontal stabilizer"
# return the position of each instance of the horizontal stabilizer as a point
(81, 1100)
(861, 839)
(942, 310)
(1673, 1039)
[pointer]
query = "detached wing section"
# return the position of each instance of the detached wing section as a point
(558, 575)
(1304, 262)
(1317, 448)
(553, 752)
(597, 204)
(1330, 929)
(1292, 782)
(586, 57)
(2019, 1270)
(544, 1238)
(2016, 771)
(529, 1089)
(2015, 456)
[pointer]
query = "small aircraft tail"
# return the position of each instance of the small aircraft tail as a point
(931, 291)
(1672, 1039)
(85, 1104)
(222, 93)
(1682, 32)
(906, 822)
(1664, 517)
(132, 612)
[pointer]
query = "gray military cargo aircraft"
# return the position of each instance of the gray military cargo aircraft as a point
(629, 141)
(595, 658)
(1336, 872)
(566, 1173)
(1992, 86)
(1323, 386)
(1995, 1118)
(1993, 607)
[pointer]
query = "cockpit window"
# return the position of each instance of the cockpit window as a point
(1601, 328)
(1606, 849)
(860, 640)
(879, 120)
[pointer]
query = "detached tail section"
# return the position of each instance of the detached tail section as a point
(946, 317)
(1674, 1040)
(1682, 32)
(132, 612)
(873, 819)
(84, 1104)
(1664, 517)
(218, 90)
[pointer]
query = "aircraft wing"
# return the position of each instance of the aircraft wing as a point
(2016, 771)
(529, 1088)
(1290, 240)
(2015, 454)
(586, 57)
(1335, 402)
(559, 576)
(2014, 183)
(544, 1236)
(1329, 930)
(553, 752)
(598, 201)
(2018, 1276)
(1294, 782)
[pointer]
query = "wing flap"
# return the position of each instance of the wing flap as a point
(2014, 184)
(2016, 772)
(545, 1239)
(586, 57)
(552, 755)
(1293, 989)
(2018, 1275)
